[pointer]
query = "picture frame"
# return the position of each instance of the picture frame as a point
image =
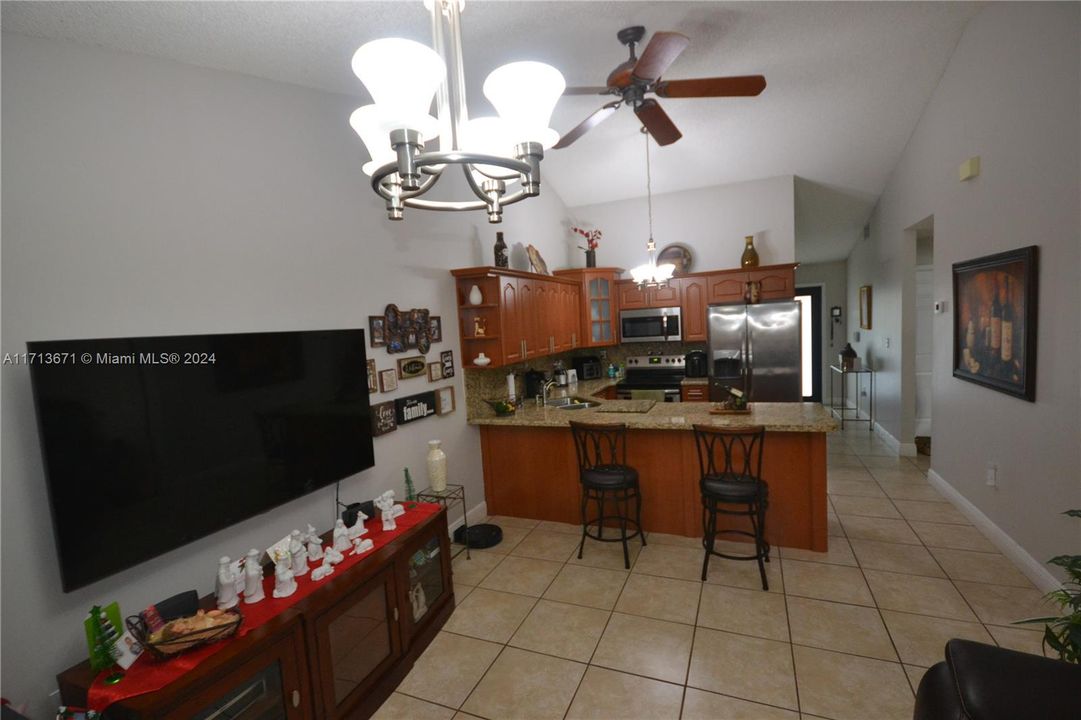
(995, 321)
(444, 400)
(384, 418)
(377, 331)
(373, 380)
(388, 380)
(411, 367)
(435, 371)
(865, 307)
(435, 328)
(447, 358)
(414, 407)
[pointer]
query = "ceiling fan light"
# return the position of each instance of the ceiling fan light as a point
(401, 76)
(525, 94)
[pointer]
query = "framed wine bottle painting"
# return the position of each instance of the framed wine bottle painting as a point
(994, 331)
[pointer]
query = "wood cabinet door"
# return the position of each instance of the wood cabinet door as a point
(694, 393)
(775, 284)
(540, 320)
(726, 287)
(424, 579)
(568, 335)
(665, 296)
(527, 308)
(599, 312)
(511, 320)
(630, 297)
(694, 308)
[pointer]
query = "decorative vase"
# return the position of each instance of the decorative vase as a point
(591, 258)
(437, 466)
(500, 251)
(476, 298)
(750, 255)
(481, 360)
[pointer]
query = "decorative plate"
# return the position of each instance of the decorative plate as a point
(536, 260)
(679, 255)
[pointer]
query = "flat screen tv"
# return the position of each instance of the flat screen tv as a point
(150, 443)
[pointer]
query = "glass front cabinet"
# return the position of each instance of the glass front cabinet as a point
(599, 305)
(423, 570)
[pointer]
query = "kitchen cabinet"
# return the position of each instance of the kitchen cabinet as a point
(694, 393)
(693, 308)
(631, 297)
(777, 282)
(594, 307)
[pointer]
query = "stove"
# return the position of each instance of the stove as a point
(652, 372)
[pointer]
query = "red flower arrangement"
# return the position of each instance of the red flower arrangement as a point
(592, 237)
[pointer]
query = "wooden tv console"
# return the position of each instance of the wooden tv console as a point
(338, 653)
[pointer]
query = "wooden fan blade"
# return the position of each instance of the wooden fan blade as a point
(657, 122)
(742, 86)
(586, 90)
(662, 51)
(586, 125)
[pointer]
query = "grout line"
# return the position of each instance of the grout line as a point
(791, 641)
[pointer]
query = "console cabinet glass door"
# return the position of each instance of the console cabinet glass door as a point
(424, 574)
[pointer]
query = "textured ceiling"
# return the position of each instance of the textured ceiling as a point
(846, 81)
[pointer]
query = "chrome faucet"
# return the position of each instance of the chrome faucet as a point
(544, 390)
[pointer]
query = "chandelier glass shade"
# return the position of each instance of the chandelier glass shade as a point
(650, 274)
(495, 153)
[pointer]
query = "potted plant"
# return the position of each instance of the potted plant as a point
(1063, 633)
(592, 241)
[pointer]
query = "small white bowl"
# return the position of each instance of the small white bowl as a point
(482, 360)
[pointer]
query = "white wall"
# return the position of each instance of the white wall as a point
(831, 276)
(711, 221)
(1010, 94)
(144, 197)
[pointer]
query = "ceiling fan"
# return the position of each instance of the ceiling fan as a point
(631, 80)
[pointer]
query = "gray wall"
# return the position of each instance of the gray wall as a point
(1010, 94)
(144, 197)
(831, 276)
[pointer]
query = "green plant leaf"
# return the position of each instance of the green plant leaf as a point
(1073, 513)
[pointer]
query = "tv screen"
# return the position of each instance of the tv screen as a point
(151, 443)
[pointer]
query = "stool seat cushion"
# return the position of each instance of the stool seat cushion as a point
(609, 477)
(730, 487)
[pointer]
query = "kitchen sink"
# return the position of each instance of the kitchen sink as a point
(571, 403)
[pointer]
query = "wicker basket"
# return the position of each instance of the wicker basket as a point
(165, 649)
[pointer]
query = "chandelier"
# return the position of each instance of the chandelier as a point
(499, 156)
(650, 274)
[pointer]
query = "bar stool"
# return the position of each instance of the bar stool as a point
(604, 475)
(730, 460)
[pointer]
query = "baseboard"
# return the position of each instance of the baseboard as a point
(903, 449)
(1033, 569)
(475, 514)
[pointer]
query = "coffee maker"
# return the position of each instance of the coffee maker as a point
(694, 364)
(534, 383)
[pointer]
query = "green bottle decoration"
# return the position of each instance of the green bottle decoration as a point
(103, 654)
(750, 255)
(410, 491)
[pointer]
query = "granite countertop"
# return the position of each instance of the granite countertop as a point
(776, 417)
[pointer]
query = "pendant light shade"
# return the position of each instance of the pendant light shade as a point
(367, 123)
(525, 94)
(403, 96)
(489, 136)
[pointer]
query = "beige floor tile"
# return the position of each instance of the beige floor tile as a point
(902, 475)
(1002, 605)
(745, 667)
(895, 557)
(877, 507)
(847, 687)
(826, 582)
(931, 512)
(911, 491)
(584, 585)
(921, 640)
(848, 474)
(678, 540)
(855, 488)
(607, 555)
(681, 563)
(526, 686)
(751, 612)
(606, 694)
(1023, 638)
(837, 461)
(547, 545)
(915, 674)
(869, 450)
(512, 535)
(449, 668)
(958, 537)
(745, 573)
(835, 528)
(461, 592)
(702, 705)
(838, 626)
(920, 595)
(505, 521)
(660, 598)
(472, 571)
(839, 553)
(566, 631)
(489, 615)
(881, 529)
(403, 707)
(465, 716)
(980, 567)
(921, 461)
(884, 461)
(525, 576)
(566, 528)
(644, 646)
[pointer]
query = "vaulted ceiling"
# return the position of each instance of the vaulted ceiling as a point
(847, 82)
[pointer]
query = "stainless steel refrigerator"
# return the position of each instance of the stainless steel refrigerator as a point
(756, 349)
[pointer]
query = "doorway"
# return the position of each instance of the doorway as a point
(924, 346)
(810, 299)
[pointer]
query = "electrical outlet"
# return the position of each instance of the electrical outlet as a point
(886, 341)
(992, 474)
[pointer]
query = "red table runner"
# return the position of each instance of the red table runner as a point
(148, 674)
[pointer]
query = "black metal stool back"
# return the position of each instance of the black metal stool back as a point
(730, 460)
(603, 474)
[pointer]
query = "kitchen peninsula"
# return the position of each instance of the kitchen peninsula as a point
(531, 470)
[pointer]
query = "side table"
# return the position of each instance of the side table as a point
(446, 498)
(841, 410)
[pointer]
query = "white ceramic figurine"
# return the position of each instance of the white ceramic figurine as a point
(341, 536)
(299, 554)
(358, 528)
(253, 578)
(362, 545)
(225, 588)
(284, 583)
(315, 544)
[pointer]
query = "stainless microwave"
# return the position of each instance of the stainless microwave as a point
(650, 325)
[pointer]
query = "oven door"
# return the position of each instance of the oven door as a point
(650, 325)
(625, 392)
